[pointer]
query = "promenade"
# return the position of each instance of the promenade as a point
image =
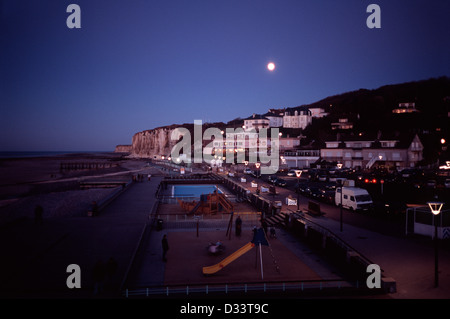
(35, 257)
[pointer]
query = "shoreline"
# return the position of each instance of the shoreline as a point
(7, 155)
(42, 180)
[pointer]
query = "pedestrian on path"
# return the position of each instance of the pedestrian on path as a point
(238, 226)
(165, 247)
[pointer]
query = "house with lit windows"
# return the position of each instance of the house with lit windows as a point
(392, 152)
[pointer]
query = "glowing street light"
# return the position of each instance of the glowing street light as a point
(257, 165)
(435, 208)
(298, 173)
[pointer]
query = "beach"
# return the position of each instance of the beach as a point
(53, 182)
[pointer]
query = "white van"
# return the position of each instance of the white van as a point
(353, 198)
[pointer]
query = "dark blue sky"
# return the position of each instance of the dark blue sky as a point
(136, 65)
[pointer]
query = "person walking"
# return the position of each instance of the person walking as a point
(238, 226)
(165, 247)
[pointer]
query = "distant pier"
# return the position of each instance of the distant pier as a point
(77, 166)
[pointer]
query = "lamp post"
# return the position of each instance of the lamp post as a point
(435, 208)
(341, 184)
(257, 165)
(298, 173)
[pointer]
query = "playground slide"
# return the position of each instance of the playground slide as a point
(226, 204)
(195, 208)
(238, 253)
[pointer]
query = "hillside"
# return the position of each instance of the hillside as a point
(370, 111)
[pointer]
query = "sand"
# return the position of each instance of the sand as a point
(27, 182)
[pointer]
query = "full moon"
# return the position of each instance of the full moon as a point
(271, 66)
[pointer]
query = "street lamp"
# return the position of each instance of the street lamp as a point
(435, 208)
(257, 165)
(341, 184)
(298, 173)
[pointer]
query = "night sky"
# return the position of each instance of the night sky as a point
(136, 65)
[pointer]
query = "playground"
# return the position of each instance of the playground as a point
(188, 254)
(194, 225)
(208, 204)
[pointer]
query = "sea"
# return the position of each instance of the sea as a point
(28, 154)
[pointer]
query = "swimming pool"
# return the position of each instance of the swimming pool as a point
(193, 190)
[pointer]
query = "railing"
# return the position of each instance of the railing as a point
(326, 232)
(304, 286)
(169, 199)
(245, 216)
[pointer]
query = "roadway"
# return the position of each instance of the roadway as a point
(388, 224)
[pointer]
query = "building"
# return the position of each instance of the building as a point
(288, 143)
(405, 108)
(275, 119)
(256, 122)
(299, 117)
(397, 152)
(301, 158)
(318, 112)
(342, 124)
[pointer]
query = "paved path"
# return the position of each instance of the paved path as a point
(35, 257)
(410, 261)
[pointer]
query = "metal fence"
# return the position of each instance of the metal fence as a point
(305, 286)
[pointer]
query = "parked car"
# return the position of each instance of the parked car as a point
(273, 179)
(313, 191)
(301, 188)
(280, 182)
(291, 173)
(247, 171)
